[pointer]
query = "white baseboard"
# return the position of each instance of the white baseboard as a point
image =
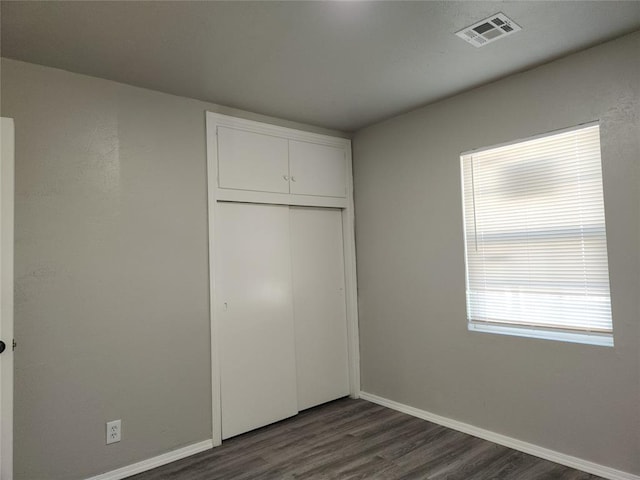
(154, 462)
(545, 453)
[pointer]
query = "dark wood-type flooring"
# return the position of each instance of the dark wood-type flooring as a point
(355, 439)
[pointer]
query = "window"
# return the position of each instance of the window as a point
(536, 246)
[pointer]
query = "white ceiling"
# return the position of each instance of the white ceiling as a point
(340, 65)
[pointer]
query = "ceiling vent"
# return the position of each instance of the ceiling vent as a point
(488, 30)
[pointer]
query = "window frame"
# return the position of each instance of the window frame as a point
(583, 336)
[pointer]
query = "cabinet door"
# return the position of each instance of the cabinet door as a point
(319, 305)
(252, 161)
(317, 169)
(255, 316)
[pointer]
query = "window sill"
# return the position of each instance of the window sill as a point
(602, 340)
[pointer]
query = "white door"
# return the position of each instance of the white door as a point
(254, 308)
(252, 161)
(317, 169)
(6, 298)
(319, 305)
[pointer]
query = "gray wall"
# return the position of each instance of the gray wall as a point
(577, 399)
(111, 271)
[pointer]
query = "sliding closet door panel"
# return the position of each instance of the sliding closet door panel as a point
(319, 305)
(254, 308)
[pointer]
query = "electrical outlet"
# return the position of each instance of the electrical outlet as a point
(114, 431)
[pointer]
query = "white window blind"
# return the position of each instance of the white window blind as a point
(536, 249)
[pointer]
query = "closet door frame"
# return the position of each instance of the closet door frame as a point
(215, 194)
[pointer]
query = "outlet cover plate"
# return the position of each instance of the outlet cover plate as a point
(114, 431)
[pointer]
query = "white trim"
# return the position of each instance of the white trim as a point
(531, 449)
(248, 196)
(351, 283)
(7, 165)
(588, 338)
(155, 462)
(212, 183)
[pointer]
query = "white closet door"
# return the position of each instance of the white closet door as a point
(319, 305)
(254, 308)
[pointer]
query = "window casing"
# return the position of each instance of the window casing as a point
(535, 238)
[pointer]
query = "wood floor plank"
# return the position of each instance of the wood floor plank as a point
(357, 440)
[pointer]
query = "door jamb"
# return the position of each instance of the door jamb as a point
(7, 165)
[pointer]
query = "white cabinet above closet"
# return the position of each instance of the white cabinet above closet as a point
(317, 169)
(261, 163)
(252, 161)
